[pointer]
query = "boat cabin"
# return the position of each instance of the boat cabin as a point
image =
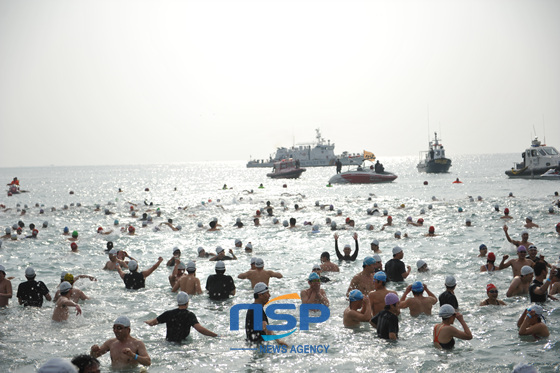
(539, 156)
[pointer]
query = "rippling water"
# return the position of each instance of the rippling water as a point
(28, 337)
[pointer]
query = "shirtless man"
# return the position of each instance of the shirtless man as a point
(492, 292)
(532, 250)
(431, 232)
(259, 274)
(555, 278)
(178, 271)
(326, 264)
(530, 323)
(520, 284)
(74, 294)
(5, 288)
(111, 265)
(314, 294)
(176, 255)
(517, 264)
(419, 303)
(358, 311)
(60, 312)
(126, 352)
(377, 296)
(375, 247)
(189, 283)
(363, 281)
(524, 238)
(213, 227)
(529, 223)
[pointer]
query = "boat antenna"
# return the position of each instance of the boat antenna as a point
(544, 129)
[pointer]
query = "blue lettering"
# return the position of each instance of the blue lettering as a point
(257, 315)
(284, 349)
(293, 349)
(291, 321)
(305, 319)
(312, 349)
(326, 348)
(262, 349)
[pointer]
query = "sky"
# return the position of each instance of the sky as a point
(145, 82)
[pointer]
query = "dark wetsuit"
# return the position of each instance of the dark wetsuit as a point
(178, 322)
(537, 298)
(394, 269)
(31, 293)
(134, 280)
(346, 257)
(219, 286)
(386, 322)
(446, 346)
(252, 334)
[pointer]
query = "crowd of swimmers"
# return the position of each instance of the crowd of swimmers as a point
(369, 299)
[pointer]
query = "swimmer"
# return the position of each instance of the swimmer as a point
(395, 268)
(377, 296)
(387, 322)
(517, 264)
(213, 227)
(178, 272)
(422, 266)
(259, 274)
(388, 224)
(249, 247)
(74, 236)
(532, 250)
(111, 265)
(529, 223)
(363, 281)
(492, 300)
(326, 264)
(482, 250)
(358, 311)
(134, 279)
(202, 253)
(317, 269)
(5, 288)
(448, 296)
(179, 321)
(375, 247)
(314, 294)
(261, 295)
(74, 294)
(418, 304)
(490, 264)
(31, 292)
(220, 286)
(126, 351)
(257, 222)
(538, 291)
(531, 323)
(431, 232)
(74, 247)
(189, 283)
(347, 249)
(520, 284)
(221, 255)
(555, 278)
(468, 223)
(506, 214)
(60, 312)
(176, 255)
(445, 332)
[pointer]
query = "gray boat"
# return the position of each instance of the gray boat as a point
(434, 160)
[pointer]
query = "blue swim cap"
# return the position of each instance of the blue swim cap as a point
(417, 287)
(460, 209)
(483, 246)
(355, 295)
(380, 276)
(313, 276)
(66, 230)
(116, 222)
(368, 260)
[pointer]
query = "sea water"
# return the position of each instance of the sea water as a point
(28, 337)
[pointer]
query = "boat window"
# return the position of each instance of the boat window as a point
(437, 152)
(551, 151)
(542, 152)
(533, 153)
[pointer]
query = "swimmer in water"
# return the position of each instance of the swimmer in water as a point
(126, 351)
(259, 274)
(492, 300)
(520, 284)
(377, 296)
(517, 264)
(358, 311)
(363, 281)
(347, 249)
(445, 332)
(418, 304)
(326, 264)
(529, 223)
(506, 214)
(531, 323)
(60, 312)
(189, 283)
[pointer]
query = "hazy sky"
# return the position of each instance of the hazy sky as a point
(132, 82)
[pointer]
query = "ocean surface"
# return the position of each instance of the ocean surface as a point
(28, 337)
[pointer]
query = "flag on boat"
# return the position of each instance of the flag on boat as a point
(369, 156)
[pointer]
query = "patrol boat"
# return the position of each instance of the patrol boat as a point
(319, 154)
(537, 160)
(433, 160)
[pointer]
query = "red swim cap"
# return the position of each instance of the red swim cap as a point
(491, 257)
(490, 287)
(131, 229)
(420, 220)
(389, 217)
(431, 229)
(99, 229)
(35, 231)
(506, 211)
(74, 246)
(347, 220)
(131, 208)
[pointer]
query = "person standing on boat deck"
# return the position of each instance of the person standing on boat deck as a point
(338, 166)
(346, 249)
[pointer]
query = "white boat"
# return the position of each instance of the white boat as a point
(537, 160)
(286, 169)
(363, 174)
(319, 154)
(551, 174)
